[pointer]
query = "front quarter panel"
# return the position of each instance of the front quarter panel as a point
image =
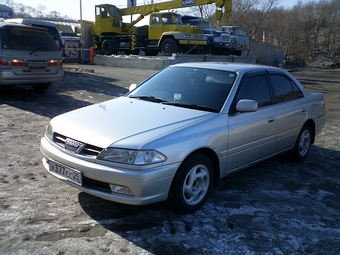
(212, 133)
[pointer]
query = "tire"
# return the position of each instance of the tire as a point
(107, 47)
(192, 184)
(302, 145)
(169, 46)
(41, 87)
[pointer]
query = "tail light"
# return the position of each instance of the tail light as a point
(55, 63)
(16, 62)
(13, 62)
(4, 62)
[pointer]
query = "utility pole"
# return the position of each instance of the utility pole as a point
(81, 34)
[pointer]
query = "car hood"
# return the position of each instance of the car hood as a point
(213, 31)
(124, 122)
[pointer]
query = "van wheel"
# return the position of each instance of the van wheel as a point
(41, 87)
(169, 46)
(192, 184)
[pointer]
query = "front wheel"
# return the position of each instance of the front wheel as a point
(302, 145)
(192, 184)
(169, 46)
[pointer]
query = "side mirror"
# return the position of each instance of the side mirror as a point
(246, 105)
(132, 86)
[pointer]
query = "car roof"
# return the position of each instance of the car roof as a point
(227, 66)
(31, 21)
(9, 24)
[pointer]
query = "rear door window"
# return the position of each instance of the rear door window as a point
(27, 40)
(284, 89)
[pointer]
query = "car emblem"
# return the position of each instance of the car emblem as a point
(73, 145)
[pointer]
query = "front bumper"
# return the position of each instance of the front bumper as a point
(192, 42)
(148, 186)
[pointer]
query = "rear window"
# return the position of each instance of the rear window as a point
(27, 40)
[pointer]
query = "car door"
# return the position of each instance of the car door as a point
(156, 27)
(251, 134)
(291, 113)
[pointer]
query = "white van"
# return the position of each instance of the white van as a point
(28, 56)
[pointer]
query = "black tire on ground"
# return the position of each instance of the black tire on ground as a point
(169, 46)
(41, 87)
(192, 184)
(107, 47)
(302, 145)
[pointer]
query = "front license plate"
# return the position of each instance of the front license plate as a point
(70, 174)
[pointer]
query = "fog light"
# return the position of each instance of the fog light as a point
(120, 190)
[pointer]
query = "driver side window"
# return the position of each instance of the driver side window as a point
(254, 87)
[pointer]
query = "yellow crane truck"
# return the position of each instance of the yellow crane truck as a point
(165, 33)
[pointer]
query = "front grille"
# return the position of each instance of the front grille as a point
(84, 150)
(197, 30)
(200, 37)
(225, 38)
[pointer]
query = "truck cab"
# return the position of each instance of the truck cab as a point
(219, 41)
(238, 40)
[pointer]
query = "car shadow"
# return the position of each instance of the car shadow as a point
(250, 203)
(60, 97)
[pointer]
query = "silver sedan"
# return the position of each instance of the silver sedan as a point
(178, 133)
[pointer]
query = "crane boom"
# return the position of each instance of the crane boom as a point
(144, 10)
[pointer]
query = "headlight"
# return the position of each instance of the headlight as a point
(49, 132)
(186, 36)
(132, 157)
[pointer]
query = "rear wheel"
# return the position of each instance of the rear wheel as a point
(107, 47)
(169, 46)
(302, 145)
(192, 184)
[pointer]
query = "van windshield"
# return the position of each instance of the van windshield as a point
(25, 39)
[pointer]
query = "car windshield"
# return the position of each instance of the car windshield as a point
(195, 88)
(27, 39)
(239, 31)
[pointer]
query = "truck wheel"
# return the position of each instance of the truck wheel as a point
(192, 184)
(107, 47)
(169, 46)
(302, 145)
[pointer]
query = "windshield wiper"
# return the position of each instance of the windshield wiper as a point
(38, 49)
(150, 98)
(193, 106)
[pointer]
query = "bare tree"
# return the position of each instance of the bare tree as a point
(19, 9)
(54, 15)
(40, 10)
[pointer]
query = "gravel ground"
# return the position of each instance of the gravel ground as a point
(276, 207)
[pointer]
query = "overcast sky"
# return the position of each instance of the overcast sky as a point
(71, 8)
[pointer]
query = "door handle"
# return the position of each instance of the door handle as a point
(271, 119)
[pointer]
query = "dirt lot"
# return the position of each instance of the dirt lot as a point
(276, 207)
